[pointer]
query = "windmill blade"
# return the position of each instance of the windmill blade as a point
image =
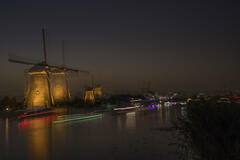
(66, 69)
(75, 70)
(44, 33)
(83, 71)
(63, 53)
(70, 69)
(16, 59)
(21, 62)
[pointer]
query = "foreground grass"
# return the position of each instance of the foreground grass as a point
(209, 131)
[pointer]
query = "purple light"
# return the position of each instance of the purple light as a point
(34, 110)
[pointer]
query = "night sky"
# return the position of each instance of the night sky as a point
(175, 44)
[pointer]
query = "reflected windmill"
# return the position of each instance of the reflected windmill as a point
(46, 85)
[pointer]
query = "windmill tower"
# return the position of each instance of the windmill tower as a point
(46, 84)
(97, 89)
(92, 93)
(59, 81)
(89, 93)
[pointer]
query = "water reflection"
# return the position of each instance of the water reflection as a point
(39, 139)
(131, 120)
(36, 123)
(160, 115)
(6, 135)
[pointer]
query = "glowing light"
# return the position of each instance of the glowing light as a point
(189, 99)
(7, 109)
(37, 73)
(89, 96)
(37, 95)
(79, 118)
(26, 122)
(59, 87)
(126, 111)
(75, 115)
(142, 109)
(236, 97)
(139, 109)
(183, 103)
(34, 110)
(72, 115)
(34, 114)
(98, 91)
(124, 108)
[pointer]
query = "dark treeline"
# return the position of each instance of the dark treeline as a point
(209, 131)
(121, 99)
(10, 103)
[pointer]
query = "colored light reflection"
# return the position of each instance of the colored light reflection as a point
(70, 116)
(79, 118)
(151, 107)
(136, 110)
(235, 96)
(24, 115)
(126, 111)
(23, 124)
(39, 142)
(34, 110)
(124, 108)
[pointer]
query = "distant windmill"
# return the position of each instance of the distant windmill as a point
(97, 89)
(93, 92)
(89, 93)
(46, 84)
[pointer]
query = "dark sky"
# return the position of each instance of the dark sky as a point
(175, 44)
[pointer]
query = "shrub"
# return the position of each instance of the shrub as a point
(209, 131)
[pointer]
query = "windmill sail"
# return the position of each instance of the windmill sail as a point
(44, 45)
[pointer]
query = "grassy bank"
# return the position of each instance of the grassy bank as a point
(209, 131)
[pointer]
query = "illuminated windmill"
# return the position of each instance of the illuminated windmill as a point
(98, 91)
(91, 93)
(46, 84)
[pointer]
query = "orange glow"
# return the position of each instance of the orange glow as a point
(98, 91)
(39, 142)
(89, 96)
(37, 95)
(43, 90)
(59, 87)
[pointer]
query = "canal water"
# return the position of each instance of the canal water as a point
(130, 135)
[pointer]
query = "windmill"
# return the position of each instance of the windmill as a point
(46, 84)
(60, 82)
(97, 88)
(92, 93)
(89, 93)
